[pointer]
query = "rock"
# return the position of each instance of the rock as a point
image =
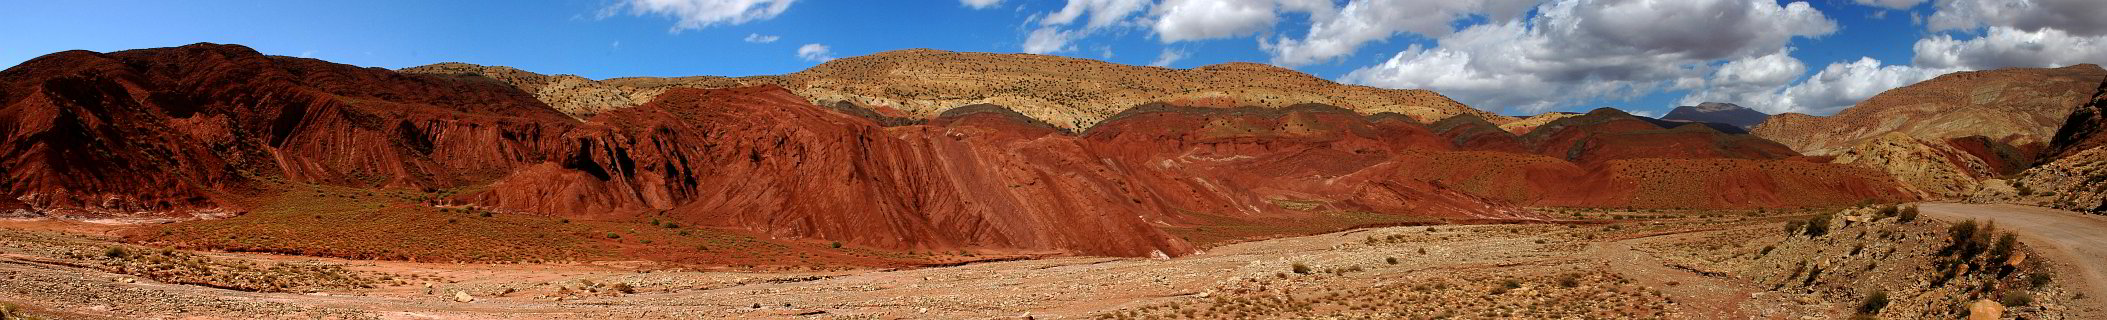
(1985, 310)
(462, 296)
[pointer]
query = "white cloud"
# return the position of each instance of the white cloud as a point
(2010, 47)
(1843, 84)
(698, 14)
(1168, 57)
(1102, 13)
(759, 38)
(1576, 50)
(1890, 4)
(2082, 18)
(1052, 37)
(980, 4)
(1049, 40)
(1185, 20)
(1648, 114)
(815, 52)
(1363, 21)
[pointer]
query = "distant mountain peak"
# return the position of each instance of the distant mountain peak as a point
(1718, 112)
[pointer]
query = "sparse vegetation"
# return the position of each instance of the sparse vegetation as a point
(1873, 303)
(1299, 268)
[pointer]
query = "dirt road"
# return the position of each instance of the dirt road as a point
(2076, 240)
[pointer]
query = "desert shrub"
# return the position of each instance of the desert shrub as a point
(1300, 268)
(1908, 214)
(670, 225)
(836, 245)
(1569, 280)
(2016, 298)
(1794, 227)
(2038, 280)
(1874, 302)
(114, 253)
(624, 288)
(486, 214)
(611, 235)
(1390, 260)
(2003, 250)
(1889, 211)
(1818, 226)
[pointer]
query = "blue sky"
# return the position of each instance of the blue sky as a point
(1509, 56)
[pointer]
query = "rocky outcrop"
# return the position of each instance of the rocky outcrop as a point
(2019, 106)
(1718, 112)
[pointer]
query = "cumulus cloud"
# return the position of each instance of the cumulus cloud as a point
(2010, 47)
(1049, 40)
(759, 38)
(1576, 50)
(1363, 21)
(1057, 29)
(1185, 20)
(980, 4)
(1168, 57)
(698, 14)
(2081, 18)
(1843, 84)
(1890, 4)
(1101, 13)
(815, 52)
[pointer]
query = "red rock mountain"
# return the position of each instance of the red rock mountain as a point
(190, 130)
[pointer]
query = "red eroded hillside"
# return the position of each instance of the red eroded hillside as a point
(222, 129)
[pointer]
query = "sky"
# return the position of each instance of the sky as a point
(1514, 57)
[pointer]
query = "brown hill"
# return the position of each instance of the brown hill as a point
(1470, 132)
(1524, 125)
(2073, 170)
(570, 94)
(1070, 93)
(1610, 134)
(2018, 106)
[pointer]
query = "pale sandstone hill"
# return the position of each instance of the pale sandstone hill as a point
(1070, 93)
(1524, 125)
(2019, 106)
(573, 95)
(1936, 169)
(2073, 174)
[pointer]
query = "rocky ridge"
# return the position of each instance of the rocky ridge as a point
(1070, 93)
